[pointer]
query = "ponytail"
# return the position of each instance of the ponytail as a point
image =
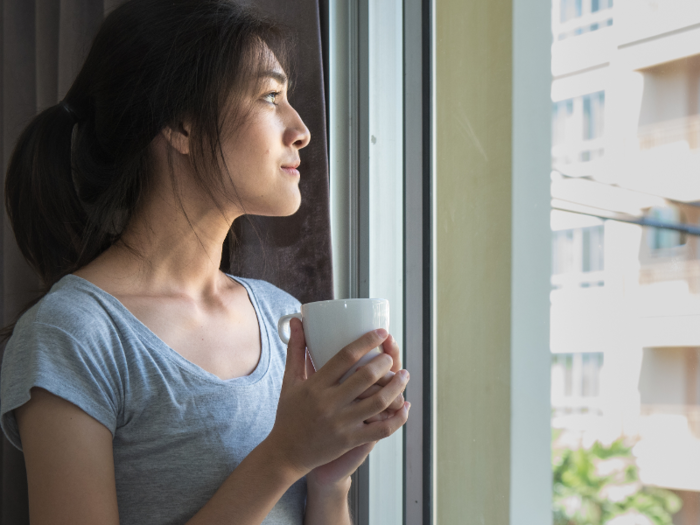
(45, 212)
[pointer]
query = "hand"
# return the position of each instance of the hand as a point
(319, 420)
(391, 348)
(338, 470)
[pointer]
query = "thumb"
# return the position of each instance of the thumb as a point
(295, 369)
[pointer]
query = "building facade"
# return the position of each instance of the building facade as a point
(625, 317)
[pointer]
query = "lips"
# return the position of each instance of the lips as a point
(291, 169)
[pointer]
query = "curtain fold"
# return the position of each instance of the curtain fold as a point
(43, 44)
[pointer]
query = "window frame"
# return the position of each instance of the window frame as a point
(347, 52)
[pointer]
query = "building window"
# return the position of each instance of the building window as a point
(665, 238)
(599, 5)
(562, 113)
(577, 17)
(576, 380)
(570, 9)
(593, 115)
(577, 251)
(578, 127)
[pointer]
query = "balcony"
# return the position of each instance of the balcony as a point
(686, 129)
(676, 270)
(646, 19)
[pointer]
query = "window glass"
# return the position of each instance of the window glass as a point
(625, 297)
(593, 115)
(578, 17)
(386, 229)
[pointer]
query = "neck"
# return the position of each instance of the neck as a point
(173, 245)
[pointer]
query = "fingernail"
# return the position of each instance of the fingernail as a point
(408, 406)
(381, 333)
(404, 374)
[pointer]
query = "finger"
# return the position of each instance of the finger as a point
(295, 369)
(395, 404)
(383, 381)
(383, 399)
(341, 362)
(365, 377)
(382, 429)
(382, 416)
(391, 347)
(377, 386)
(370, 391)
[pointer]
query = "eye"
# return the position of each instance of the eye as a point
(272, 97)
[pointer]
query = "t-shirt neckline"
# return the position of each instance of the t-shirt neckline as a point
(165, 350)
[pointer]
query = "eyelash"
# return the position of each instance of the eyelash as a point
(274, 95)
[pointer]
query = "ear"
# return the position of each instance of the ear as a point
(178, 137)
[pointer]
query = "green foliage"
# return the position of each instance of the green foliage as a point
(593, 486)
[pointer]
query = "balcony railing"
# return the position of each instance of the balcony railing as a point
(670, 131)
(688, 271)
(690, 412)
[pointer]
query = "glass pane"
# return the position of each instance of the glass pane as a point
(625, 299)
(386, 227)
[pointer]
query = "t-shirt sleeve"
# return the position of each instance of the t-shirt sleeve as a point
(49, 357)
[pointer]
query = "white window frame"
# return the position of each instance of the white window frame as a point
(380, 182)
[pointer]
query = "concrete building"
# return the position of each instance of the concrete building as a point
(625, 318)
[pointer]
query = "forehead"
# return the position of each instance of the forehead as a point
(269, 67)
(274, 74)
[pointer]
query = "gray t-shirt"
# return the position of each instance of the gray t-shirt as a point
(178, 430)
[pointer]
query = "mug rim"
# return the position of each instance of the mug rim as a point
(353, 299)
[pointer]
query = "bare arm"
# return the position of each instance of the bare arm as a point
(67, 453)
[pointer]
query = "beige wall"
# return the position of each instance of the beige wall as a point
(473, 268)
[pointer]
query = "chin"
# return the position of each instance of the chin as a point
(291, 210)
(284, 209)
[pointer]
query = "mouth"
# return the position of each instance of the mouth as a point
(291, 169)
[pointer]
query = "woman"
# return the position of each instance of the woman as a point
(147, 386)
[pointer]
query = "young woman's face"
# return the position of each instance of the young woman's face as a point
(263, 156)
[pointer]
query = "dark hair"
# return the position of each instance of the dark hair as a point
(80, 168)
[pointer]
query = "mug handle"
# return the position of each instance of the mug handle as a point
(283, 326)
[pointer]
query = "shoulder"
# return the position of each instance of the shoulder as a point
(269, 296)
(64, 344)
(74, 321)
(73, 306)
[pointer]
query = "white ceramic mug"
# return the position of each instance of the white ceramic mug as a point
(331, 325)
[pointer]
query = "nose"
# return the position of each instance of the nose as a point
(297, 134)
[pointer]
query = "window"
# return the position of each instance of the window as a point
(578, 17)
(561, 120)
(665, 238)
(577, 251)
(570, 9)
(597, 5)
(593, 115)
(578, 128)
(575, 376)
(624, 316)
(381, 222)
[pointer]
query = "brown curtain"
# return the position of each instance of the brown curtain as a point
(43, 44)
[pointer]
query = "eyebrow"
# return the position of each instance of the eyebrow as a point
(276, 75)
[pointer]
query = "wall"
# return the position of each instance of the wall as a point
(492, 261)
(473, 238)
